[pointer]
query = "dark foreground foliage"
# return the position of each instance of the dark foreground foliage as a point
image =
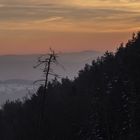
(102, 103)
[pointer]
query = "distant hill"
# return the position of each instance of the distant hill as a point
(17, 73)
(102, 103)
(21, 66)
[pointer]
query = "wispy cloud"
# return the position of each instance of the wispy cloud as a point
(78, 15)
(28, 26)
(51, 19)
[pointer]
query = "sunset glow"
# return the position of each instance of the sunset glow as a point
(32, 26)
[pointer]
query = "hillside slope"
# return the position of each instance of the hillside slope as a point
(102, 103)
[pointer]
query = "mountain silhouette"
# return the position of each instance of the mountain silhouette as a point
(101, 103)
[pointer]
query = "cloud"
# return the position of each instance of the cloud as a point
(48, 15)
(51, 19)
(16, 2)
(42, 12)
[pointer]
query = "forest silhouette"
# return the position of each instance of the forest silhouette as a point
(102, 103)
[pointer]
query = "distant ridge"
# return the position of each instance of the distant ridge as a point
(17, 73)
(37, 54)
(21, 66)
(16, 81)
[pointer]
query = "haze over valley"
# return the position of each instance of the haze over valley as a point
(17, 73)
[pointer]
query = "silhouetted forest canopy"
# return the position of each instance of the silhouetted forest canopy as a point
(102, 103)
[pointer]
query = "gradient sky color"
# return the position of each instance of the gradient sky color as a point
(33, 26)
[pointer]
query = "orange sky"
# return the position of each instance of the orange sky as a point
(32, 26)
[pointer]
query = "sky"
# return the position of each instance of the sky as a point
(33, 26)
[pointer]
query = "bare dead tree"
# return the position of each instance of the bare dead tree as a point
(46, 61)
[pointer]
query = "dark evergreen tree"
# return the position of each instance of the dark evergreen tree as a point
(102, 103)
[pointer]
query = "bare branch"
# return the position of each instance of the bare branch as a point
(41, 80)
(46, 61)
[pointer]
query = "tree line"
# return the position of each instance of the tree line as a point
(102, 103)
